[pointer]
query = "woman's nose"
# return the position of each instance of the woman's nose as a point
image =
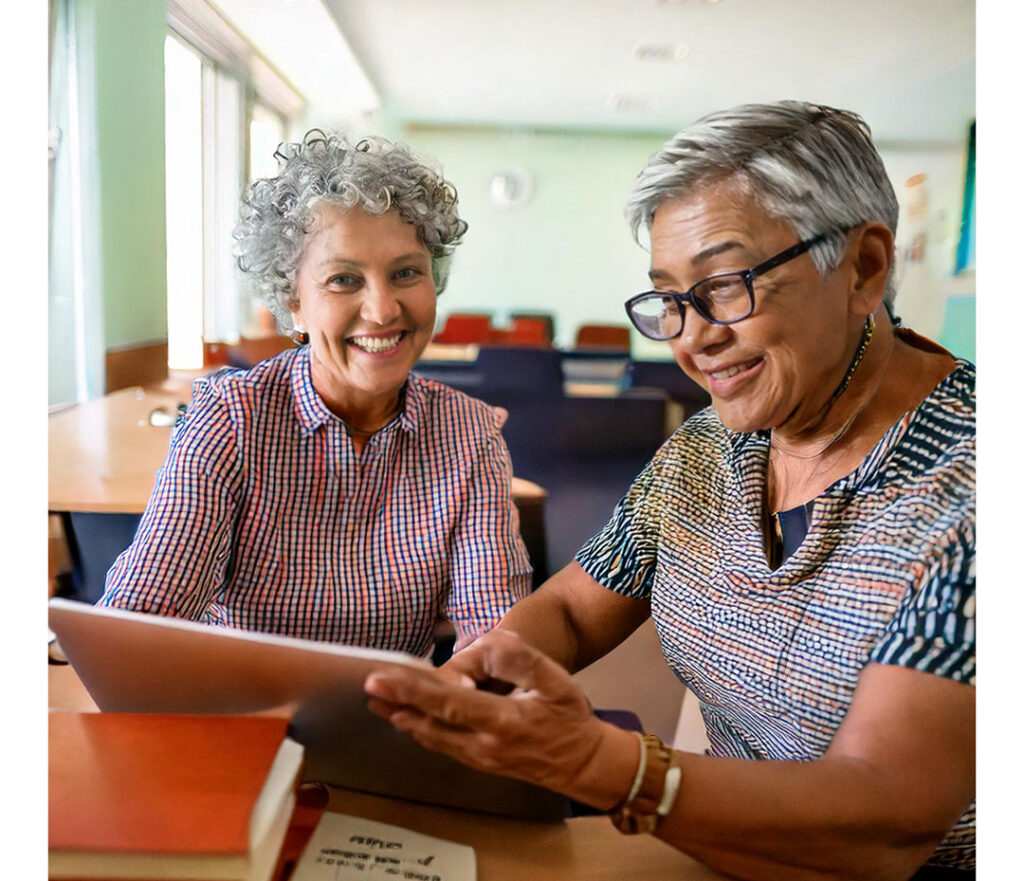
(380, 304)
(699, 334)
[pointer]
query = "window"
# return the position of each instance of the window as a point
(226, 112)
(183, 135)
(74, 323)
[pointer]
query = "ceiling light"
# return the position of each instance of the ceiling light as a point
(661, 51)
(618, 101)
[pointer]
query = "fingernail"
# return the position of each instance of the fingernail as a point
(378, 687)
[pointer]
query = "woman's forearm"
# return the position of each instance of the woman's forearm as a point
(574, 619)
(541, 620)
(825, 819)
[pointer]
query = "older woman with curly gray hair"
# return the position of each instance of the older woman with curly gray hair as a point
(328, 493)
(805, 546)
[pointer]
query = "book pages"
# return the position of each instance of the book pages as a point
(343, 848)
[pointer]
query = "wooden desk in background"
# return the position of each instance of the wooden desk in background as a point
(104, 453)
(580, 849)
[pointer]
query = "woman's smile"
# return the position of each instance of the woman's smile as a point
(724, 381)
(377, 344)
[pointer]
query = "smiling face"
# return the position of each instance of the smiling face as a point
(778, 367)
(366, 298)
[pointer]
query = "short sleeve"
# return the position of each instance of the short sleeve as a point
(933, 629)
(623, 555)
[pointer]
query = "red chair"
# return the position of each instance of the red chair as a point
(603, 336)
(465, 328)
(526, 332)
(546, 318)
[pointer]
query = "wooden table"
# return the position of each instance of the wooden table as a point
(506, 850)
(104, 453)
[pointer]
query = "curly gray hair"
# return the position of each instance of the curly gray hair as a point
(374, 173)
(813, 166)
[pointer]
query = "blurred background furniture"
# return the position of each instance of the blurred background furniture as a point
(583, 448)
(546, 318)
(523, 332)
(461, 328)
(246, 352)
(603, 336)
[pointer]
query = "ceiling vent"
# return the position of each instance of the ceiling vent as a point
(661, 51)
(627, 103)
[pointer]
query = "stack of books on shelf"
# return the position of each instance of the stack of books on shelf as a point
(151, 796)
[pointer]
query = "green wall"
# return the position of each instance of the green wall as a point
(126, 61)
(568, 250)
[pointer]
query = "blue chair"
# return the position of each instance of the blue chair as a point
(526, 371)
(94, 542)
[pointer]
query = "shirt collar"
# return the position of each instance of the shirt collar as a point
(312, 412)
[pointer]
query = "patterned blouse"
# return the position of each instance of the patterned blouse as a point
(885, 574)
(264, 517)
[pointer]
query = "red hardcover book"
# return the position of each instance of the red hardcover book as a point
(151, 796)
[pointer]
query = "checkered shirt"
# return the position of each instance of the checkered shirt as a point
(264, 517)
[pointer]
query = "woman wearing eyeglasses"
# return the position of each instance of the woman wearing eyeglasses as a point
(805, 546)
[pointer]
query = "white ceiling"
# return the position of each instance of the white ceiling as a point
(906, 65)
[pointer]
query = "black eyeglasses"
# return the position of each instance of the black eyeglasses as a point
(718, 299)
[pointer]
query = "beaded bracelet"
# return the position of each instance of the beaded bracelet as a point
(654, 790)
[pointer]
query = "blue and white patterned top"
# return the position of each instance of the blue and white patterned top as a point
(263, 517)
(885, 574)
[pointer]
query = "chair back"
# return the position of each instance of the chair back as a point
(464, 328)
(603, 336)
(526, 332)
(545, 318)
(524, 371)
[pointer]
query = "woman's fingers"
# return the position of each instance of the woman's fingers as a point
(453, 705)
(471, 664)
(506, 657)
(543, 733)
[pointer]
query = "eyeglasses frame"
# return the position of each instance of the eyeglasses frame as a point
(748, 276)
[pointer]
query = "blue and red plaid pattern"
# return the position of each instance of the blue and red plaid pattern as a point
(885, 574)
(263, 517)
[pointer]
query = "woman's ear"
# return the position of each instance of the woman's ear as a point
(871, 249)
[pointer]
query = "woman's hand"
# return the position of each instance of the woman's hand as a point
(468, 668)
(543, 732)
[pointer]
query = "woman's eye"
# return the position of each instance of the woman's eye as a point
(344, 281)
(407, 273)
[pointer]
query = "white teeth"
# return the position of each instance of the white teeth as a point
(730, 371)
(375, 344)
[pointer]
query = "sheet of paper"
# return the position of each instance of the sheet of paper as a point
(344, 848)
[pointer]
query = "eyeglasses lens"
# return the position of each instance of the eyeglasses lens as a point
(723, 298)
(657, 317)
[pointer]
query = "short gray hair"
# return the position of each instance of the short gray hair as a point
(377, 175)
(812, 166)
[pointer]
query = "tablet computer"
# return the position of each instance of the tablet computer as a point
(132, 662)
